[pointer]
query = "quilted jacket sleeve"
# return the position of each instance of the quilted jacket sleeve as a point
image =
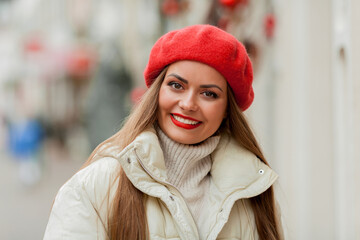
(79, 211)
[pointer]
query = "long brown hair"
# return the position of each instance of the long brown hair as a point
(127, 217)
(263, 205)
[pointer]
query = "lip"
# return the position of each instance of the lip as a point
(182, 116)
(184, 125)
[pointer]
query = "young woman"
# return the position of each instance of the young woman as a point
(185, 165)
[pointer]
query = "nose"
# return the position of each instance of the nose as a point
(188, 102)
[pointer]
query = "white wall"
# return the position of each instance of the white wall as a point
(307, 115)
(355, 59)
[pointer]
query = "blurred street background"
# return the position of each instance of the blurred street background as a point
(70, 71)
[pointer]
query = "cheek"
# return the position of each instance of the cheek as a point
(165, 100)
(216, 113)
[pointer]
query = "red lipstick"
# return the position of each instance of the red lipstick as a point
(184, 125)
(182, 116)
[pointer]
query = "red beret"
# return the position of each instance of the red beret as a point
(212, 46)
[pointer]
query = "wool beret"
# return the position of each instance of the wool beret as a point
(209, 45)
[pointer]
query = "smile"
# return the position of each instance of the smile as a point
(184, 122)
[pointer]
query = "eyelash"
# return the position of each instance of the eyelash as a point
(213, 95)
(178, 86)
(173, 84)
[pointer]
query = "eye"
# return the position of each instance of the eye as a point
(210, 94)
(175, 85)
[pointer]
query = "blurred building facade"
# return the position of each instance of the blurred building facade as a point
(317, 117)
(65, 63)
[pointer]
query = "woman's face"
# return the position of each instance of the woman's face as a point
(192, 102)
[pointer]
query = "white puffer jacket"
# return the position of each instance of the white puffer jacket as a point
(81, 205)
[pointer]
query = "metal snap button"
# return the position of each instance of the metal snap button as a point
(261, 171)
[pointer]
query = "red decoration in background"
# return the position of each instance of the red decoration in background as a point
(33, 45)
(136, 95)
(170, 7)
(233, 3)
(269, 23)
(80, 63)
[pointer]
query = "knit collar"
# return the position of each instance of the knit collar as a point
(186, 164)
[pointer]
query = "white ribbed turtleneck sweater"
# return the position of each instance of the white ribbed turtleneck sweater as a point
(188, 168)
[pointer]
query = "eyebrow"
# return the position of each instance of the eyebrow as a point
(186, 81)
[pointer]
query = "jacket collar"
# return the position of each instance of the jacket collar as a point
(234, 168)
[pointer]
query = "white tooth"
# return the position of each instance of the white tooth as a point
(183, 120)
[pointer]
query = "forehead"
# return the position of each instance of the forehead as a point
(194, 71)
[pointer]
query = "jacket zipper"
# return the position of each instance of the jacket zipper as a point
(166, 184)
(158, 180)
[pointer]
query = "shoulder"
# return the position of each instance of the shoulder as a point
(80, 208)
(97, 172)
(93, 182)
